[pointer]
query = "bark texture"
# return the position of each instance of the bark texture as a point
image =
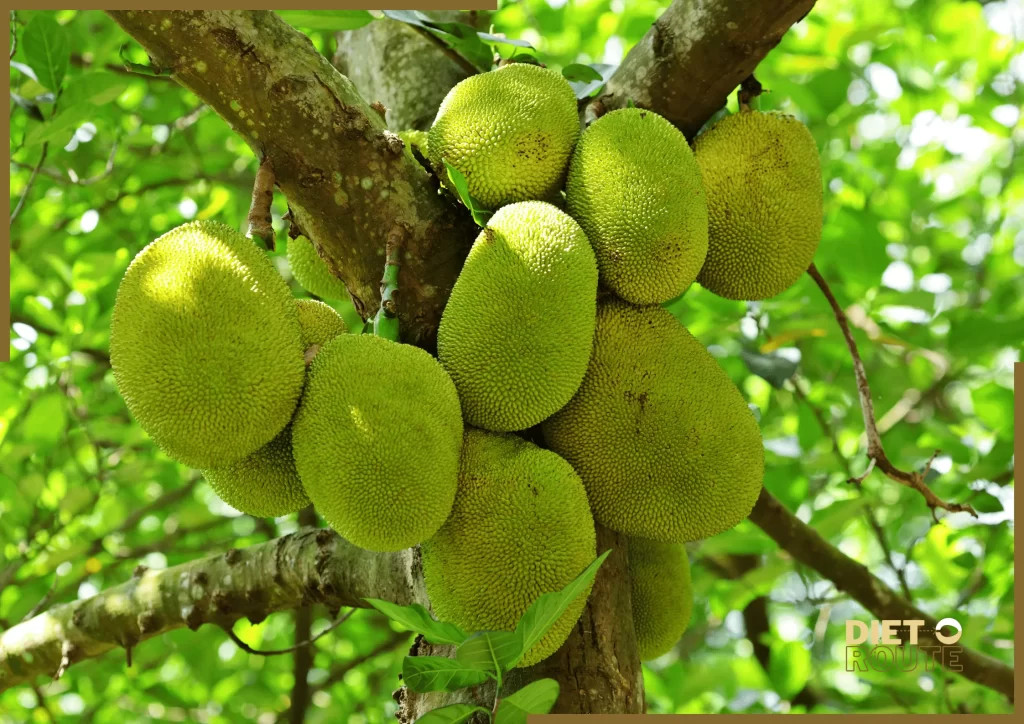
(308, 566)
(390, 62)
(696, 54)
(348, 180)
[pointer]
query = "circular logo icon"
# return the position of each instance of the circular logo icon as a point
(951, 638)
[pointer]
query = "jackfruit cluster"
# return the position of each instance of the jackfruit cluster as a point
(520, 527)
(662, 595)
(312, 272)
(509, 132)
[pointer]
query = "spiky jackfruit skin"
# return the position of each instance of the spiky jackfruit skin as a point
(266, 483)
(319, 322)
(635, 188)
(312, 272)
(520, 527)
(663, 440)
(662, 595)
(516, 333)
(763, 180)
(205, 345)
(509, 131)
(377, 439)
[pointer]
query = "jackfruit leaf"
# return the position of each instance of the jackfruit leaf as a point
(459, 37)
(95, 88)
(28, 106)
(546, 610)
(61, 127)
(439, 673)
(492, 651)
(772, 368)
(452, 714)
(46, 419)
(480, 214)
(418, 620)
(46, 48)
(326, 19)
(789, 668)
(24, 69)
(537, 697)
(579, 73)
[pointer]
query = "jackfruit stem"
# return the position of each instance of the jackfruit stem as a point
(261, 226)
(385, 324)
(748, 94)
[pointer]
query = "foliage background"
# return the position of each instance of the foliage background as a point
(915, 105)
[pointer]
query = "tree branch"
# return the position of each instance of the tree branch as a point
(696, 54)
(805, 545)
(347, 179)
(876, 453)
(308, 566)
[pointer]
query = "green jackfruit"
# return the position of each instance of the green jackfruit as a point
(266, 484)
(663, 440)
(320, 323)
(763, 181)
(520, 527)
(662, 595)
(509, 131)
(206, 346)
(412, 137)
(516, 333)
(377, 439)
(636, 190)
(312, 272)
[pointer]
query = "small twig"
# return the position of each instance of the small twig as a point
(44, 601)
(386, 322)
(900, 572)
(451, 53)
(260, 220)
(277, 652)
(107, 170)
(876, 453)
(14, 34)
(31, 181)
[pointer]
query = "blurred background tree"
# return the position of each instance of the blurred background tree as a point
(916, 107)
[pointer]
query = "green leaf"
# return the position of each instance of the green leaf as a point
(452, 714)
(789, 668)
(418, 619)
(46, 48)
(61, 127)
(99, 89)
(458, 180)
(547, 609)
(537, 697)
(326, 19)
(496, 651)
(438, 673)
(579, 73)
(499, 40)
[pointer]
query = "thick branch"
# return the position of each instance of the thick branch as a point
(805, 545)
(347, 179)
(309, 566)
(696, 54)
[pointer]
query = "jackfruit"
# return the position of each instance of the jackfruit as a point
(509, 131)
(312, 272)
(520, 527)
(414, 138)
(377, 439)
(320, 323)
(636, 190)
(206, 346)
(516, 333)
(663, 440)
(266, 484)
(662, 595)
(763, 181)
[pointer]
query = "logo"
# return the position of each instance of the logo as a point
(888, 641)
